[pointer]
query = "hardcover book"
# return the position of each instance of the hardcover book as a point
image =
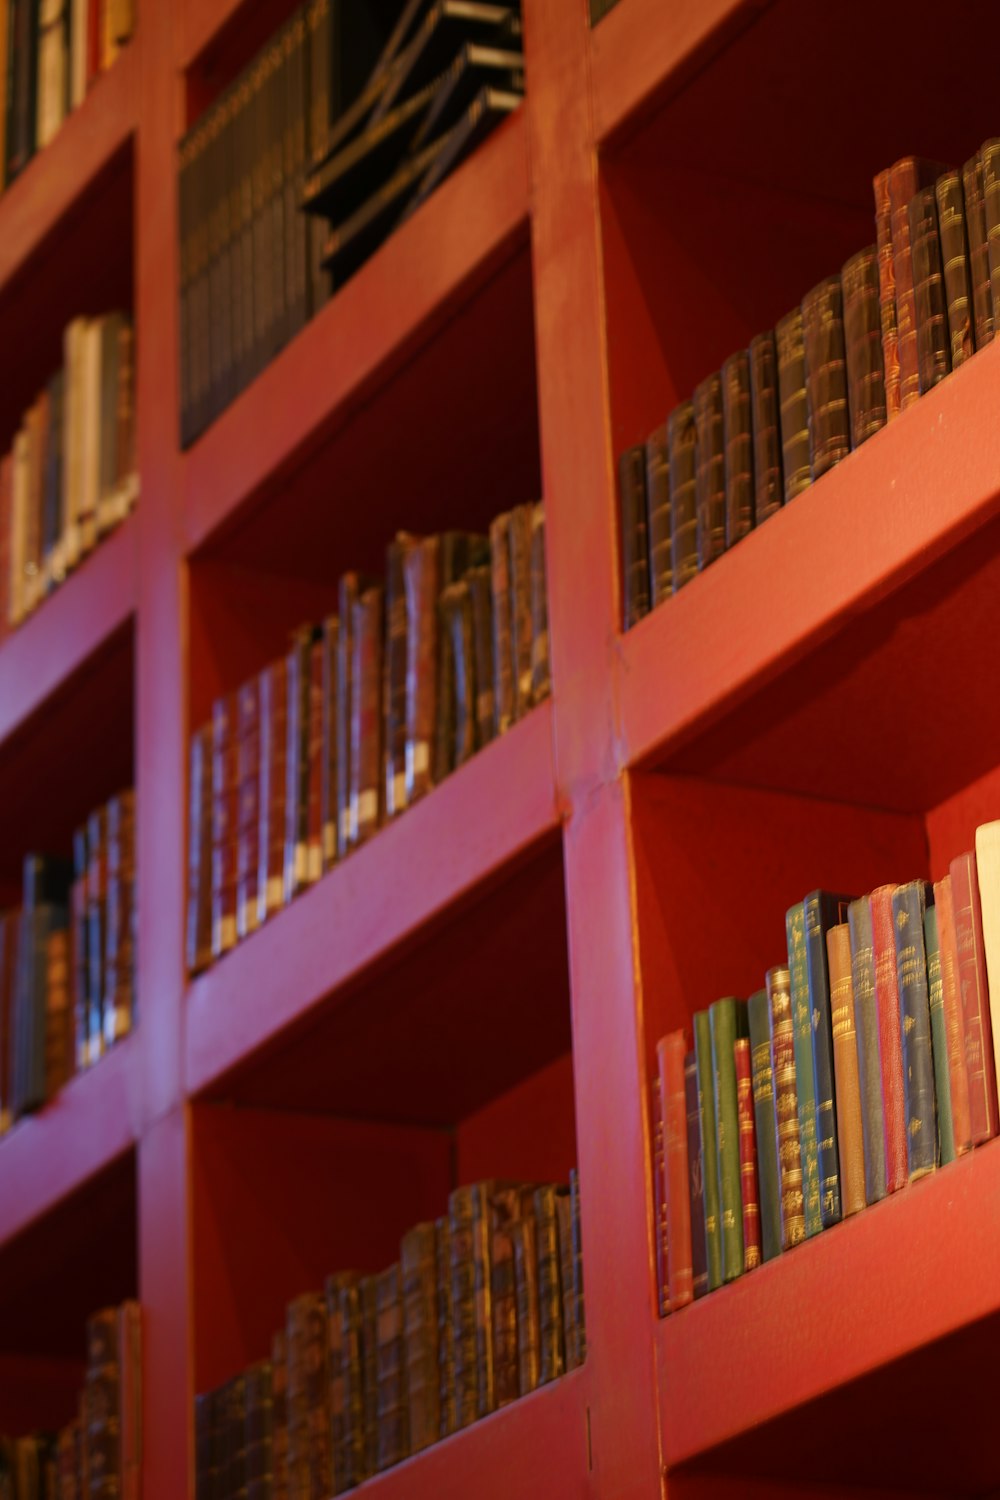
(906, 177)
(908, 902)
(786, 1107)
(709, 1148)
(658, 515)
(699, 1261)
(727, 1020)
(955, 266)
(792, 403)
(863, 344)
(673, 1104)
(749, 1189)
(765, 1119)
(890, 1038)
(710, 470)
(850, 1135)
(939, 1040)
(635, 547)
(988, 881)
(859, 919)
(979, 250)
(974, 990)
(805, 1067)
(682, 445)
(826, 376)
(929, 301)
(768, 479)
(954, 1024)
(738, 445)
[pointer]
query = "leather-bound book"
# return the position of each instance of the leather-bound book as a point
(749, 1187)
(369, 1347)
(955, 266)
(524, 1242)
(280, 1477)
(727, 1020)
(635, 540)
(258, 1430)
(130, 1398)
(979, 250)
(309, 1459)
(793, 411)
(505, 1211)
(541, 677)
(337, 1342)
(826, 376)
(445, 1327)
(658, 530)
(786, 1107)
(660, 1230)
(710, 470)
(503, 640)
(709, 1148)
(120, 947)
(394, 685)
(850, 1137)
(78, 946)
(314, 760)
(422, 576)
(367, 776)
(823, 910)
(908, 902)
(550, 1317)
(457, 623)
(682, 443)
(866, 1016)
(579, 1309)
(462, 1227)
(929, 301)
(954, 1024)
(482, 1249)
(520, 605)
(459, 549)
(224, 816)
(564, 1233)
(906, 177)
(296, 871)
(737, 429)
(348, 1389)
(390, 1357)
(974, 990)
(199, 913)
(273, 788)
(418, 1269)
(67, 1463)
(480, 584)
(348, 594)
(989, 154)
(248, 805)
(769, 487)
(328, 751)
(58, 1012)
(863, 345)
(805, 1066)
(696, 1190)
(890, 1038)
(988, 876)
(101, 1403)
(765, 1123)
(97, 894)
(676, 1174)
(939, 1039)
(235, 1440)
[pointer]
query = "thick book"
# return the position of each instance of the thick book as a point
(805, 1066)
(660, 1226)
(974, 990)
(390, 1357)
(457, 625)
(979, 250)
(866, 1016)
(989, 154)
(699, 1263)
(762, 1080)
(824, 910)
(890, 1038)
(954, 1026)
(955, 266)
(394, 682)
(477, 551)
(541, 670)
(749, 1185)
(709, 470)
(906, 177)
(462, 1232)
(737, 428)
(673, 1104)
(658, 515)
(507, 1206)
(480, 584)
(524, 1241)
(930, 307)
(887, 293)
(366, 717)
(503, 636)
(422, 581)
(709, 1149)
(786, 1107)
(827, 409)
(863, 345)
(939, 1039)
(850, 1135)
(446, 1326)
(792, 403)
(727, 1020)
(988, 881)
(908, 904)
(550, 1316)
(682, 444)
(769, 484)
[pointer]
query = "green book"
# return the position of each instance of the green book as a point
(728, 1020)
(759, 1020)
(805, 1064)
(939, 1038)
(709, 1151)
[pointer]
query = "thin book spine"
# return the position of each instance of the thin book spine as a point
(939, 1039)
(974, 990)
(850, 1136)
(680, 1270)
(696, 1193)
(887, 293)
(635, 551)
(792, 403)
(660, 1223)
(749, 1186)
(738, 446)
(769, 484)
(710, 471)
(915, 1023)
(786, 1107)
(541, 672)
(929, 302)
(955, 266)
(826, 376)
(890, 1039)
(958, 1076)
(805, 1066)
(979, 250)
(866, 1015)
(863, 345)
(709, 1149)
(658, 515)
(822, 910)
(681, 442)
(762, 1079)
(727, 1020)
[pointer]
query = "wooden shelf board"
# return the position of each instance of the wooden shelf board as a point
(421, 278)
(433, 914)
(866, 604)
(841, 1336)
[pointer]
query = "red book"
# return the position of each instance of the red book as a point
(749, 1188)
(95, 32)
(974, 990)
(890, 1040)
(954, 1025)
(660, 1207)
(673, 1102)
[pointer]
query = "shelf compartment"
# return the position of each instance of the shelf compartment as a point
(386, 989)
(349, 401)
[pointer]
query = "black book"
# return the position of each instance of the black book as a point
(447, 25)
(487, 110)
(349, 246)
(635, 551)
(474, 68)
(53, 485)
(22, 84)
(46, 895)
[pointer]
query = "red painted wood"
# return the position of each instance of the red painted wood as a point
(37, 1392)
(528, 1133)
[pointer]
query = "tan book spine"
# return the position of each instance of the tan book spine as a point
(521, 519)
(418, 1268)
(309, 1459)
(393, 1430)
(847, 1078)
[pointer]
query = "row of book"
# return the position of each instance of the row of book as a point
(368, 711)
(67, 961)
(865, 1063)
(863, 346)
(452, 70)
(484, 1305)
(51, 51)
(71, 476)
(97, 1456)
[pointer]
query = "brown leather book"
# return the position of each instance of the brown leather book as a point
(369, 1352)
(418, 1269)
(792, 403)
(906, 177)
(199, 914)
(635, 539)
(462, 1219)
(258, 1430)
(658, 515)
(850, 1140)
(394, 685)
(990, 156)
(58, 1012)
(955, 266)
(793, 1223)
(393, 1424)
(930, 305)
(520, 606)
(97, 892)
(130, 1398)
(422, 577)
(366, 716)
(550, 1305)
(979, 250)
(328, 774)
(120, 948)
(350, 1460)
(481, 595)
(459, 550)
(738, 439)
(314, 761)
(445, 1328)
(273, 787)
(78, 954)
(456, 620)
(887, 293)
(769, 490)
(349, 591)
(224, 814)
(248, 797)
(523, 1239)
(564, 1231)
(308, 1398)
(101, 1403)
(280, 1477)
(296, 875)
(541, 681)
(709, 470)
(503, 642)
(682, 444)
(826, 376)
(863, 345)
(506, 1208)
(338, 1336)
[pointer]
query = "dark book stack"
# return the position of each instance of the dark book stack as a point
(861, 347)
(366, 713)
(51, 53)
(484, 1305)
(866, 1061)
(452, 69)
(70, 476)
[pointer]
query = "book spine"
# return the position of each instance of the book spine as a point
(520, 605)
(979, 250)
(564, 1230)
(635, 545)
(280, 1476)
(890, 1040)
(446, 1329)
(273, 788)
(503, 644)
(696, 1191)
(737, 429)
(504, 1210)
(958, 1076)
(456, 616)
(929, 301)
(309, 1458)
(314, 766)
(579, 1339)
(481, 594)
(101, 1403)
(866, 1013)
(821, 911)
(673, 1104)
(199, 914)
(850, 1136)
(710, 471)
(792, 403)
(422, 575)
(765, 1123)
(248, 802)
(97, 889)
(990, 156)
(682, 445)
(526, 1284)
(658, 531)
(81, 998)
(915, 1020)
(349, 1461)
(58, 1013)
(725, 1028)
(541, 675)
(395, 675)
(863, 345)
(328, 747)
(748, 1155)
(887, 293)
(905, 178)
(297, 766)
(461, 1212)
(660, 1225)
(418, 1269)
(805, 1067)
(709, 1148)
(393, 1435)
(258, 1436)
(277, 84)
(366, 717)
(224, 820)
(974, 990)
(348, 597)
(765, 417)
(482, 1261)
(550, 1321)
(955, 267)
(336, 1349)
(786, 1107)
(826, 376)
(939, 1038)
(119, 960)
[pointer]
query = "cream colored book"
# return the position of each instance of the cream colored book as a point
(50, 109)
(78, 27)
(988, 866)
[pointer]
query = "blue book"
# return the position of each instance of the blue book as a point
(823, 910)
(908, 902)
(859, 920)
(939, 1037)
(805, 1065)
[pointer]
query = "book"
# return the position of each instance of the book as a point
(541, 672)
(786, 1107)
(576, 1346)
(394, 679)
(765, 1121)
(461, 1214)
(979, 251)
(906, 177)
(974, 990)
(793, 403)
(727, 1021)
(660, 1225)
(738, 446)
(273, 793)
(309, 1458)
(422, 578)
(505, 1211)
(749, 1189)
(887, 293)
(446, 1327)
(709, 1149)
(908, 903)
(929, 300)
(805, 1067)
(699, 1261)
(550, 1307)
(863, 345)
(866, 1011)
(890, 1038)
(677, 1202)
(988, 881)
(248, 805)
(682, 446)
(97, 892)
(658, 532)
(765, 416)
(366, 717)
(503, 646)
(199, 913)
(710, 470)
(457, 624)
(349, 590)
(822, 910)
(827, 411)
(939, 1039)
(480, 582)
(418, 1272)
(224, 814)
(525, 1246)
(955, 267)
(390, 1358)
(519, 534)
(120, 945)
(989, 154)
(954, 1025)
(847, 1078)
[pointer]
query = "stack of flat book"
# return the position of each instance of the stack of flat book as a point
(451, 70)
